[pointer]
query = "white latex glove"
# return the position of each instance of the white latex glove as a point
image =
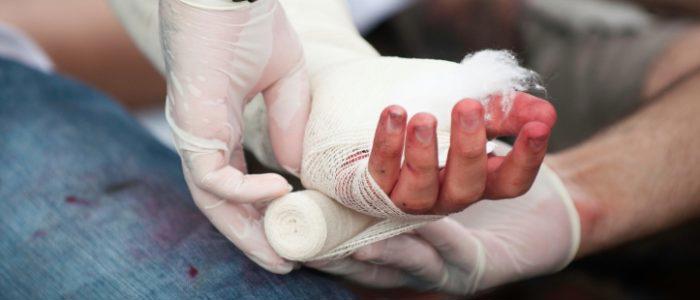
(489, 244)
(218, 55)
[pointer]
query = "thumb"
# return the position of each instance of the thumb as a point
(288, 104)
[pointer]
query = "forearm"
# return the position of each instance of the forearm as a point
(640, 176)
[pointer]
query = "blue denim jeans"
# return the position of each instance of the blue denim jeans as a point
(93, 207)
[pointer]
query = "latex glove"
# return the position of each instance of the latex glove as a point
(489, 244)
(218, 55)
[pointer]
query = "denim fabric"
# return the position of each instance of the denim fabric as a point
(93, 207)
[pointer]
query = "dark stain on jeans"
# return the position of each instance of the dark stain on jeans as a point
(192, 272)
(168, 222)
(138, 254)
(73, 200)
(120, 186)
(39, 234)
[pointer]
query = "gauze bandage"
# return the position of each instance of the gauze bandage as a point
(351, 85)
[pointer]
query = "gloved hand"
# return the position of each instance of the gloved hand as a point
(217, 59)
(218, 55)
(489, 244)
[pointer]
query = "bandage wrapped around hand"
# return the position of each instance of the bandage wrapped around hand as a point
(351, 84)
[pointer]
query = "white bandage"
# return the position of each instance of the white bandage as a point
(351, 85)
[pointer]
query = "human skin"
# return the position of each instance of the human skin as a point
(679, 60)
(417, 184)
(641, 175)
(93, 47)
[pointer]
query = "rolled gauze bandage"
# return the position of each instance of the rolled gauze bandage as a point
(302, 225)
(309, 225)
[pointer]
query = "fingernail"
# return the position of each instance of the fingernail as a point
(424, 134)
(536, 144)
(470, 121)
(395, 121)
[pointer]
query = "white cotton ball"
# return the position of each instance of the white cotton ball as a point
(477, 77)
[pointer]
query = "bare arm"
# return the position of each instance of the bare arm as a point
(93, 47)
(640, 176)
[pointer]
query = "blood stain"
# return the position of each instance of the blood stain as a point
(77, 201)
(193, 272)
(39, 234)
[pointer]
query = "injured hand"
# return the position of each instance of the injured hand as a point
(419, 184)
(349, 204)
(350, 159)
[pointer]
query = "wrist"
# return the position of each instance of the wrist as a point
(591, 210)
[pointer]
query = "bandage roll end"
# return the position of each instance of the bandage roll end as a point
(307, 224)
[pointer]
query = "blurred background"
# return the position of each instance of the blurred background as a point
(84, 40)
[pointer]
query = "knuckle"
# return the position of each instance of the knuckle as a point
(422, 169)
(466, 196)
(542, 111)
(472, 152)
(389, 150)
